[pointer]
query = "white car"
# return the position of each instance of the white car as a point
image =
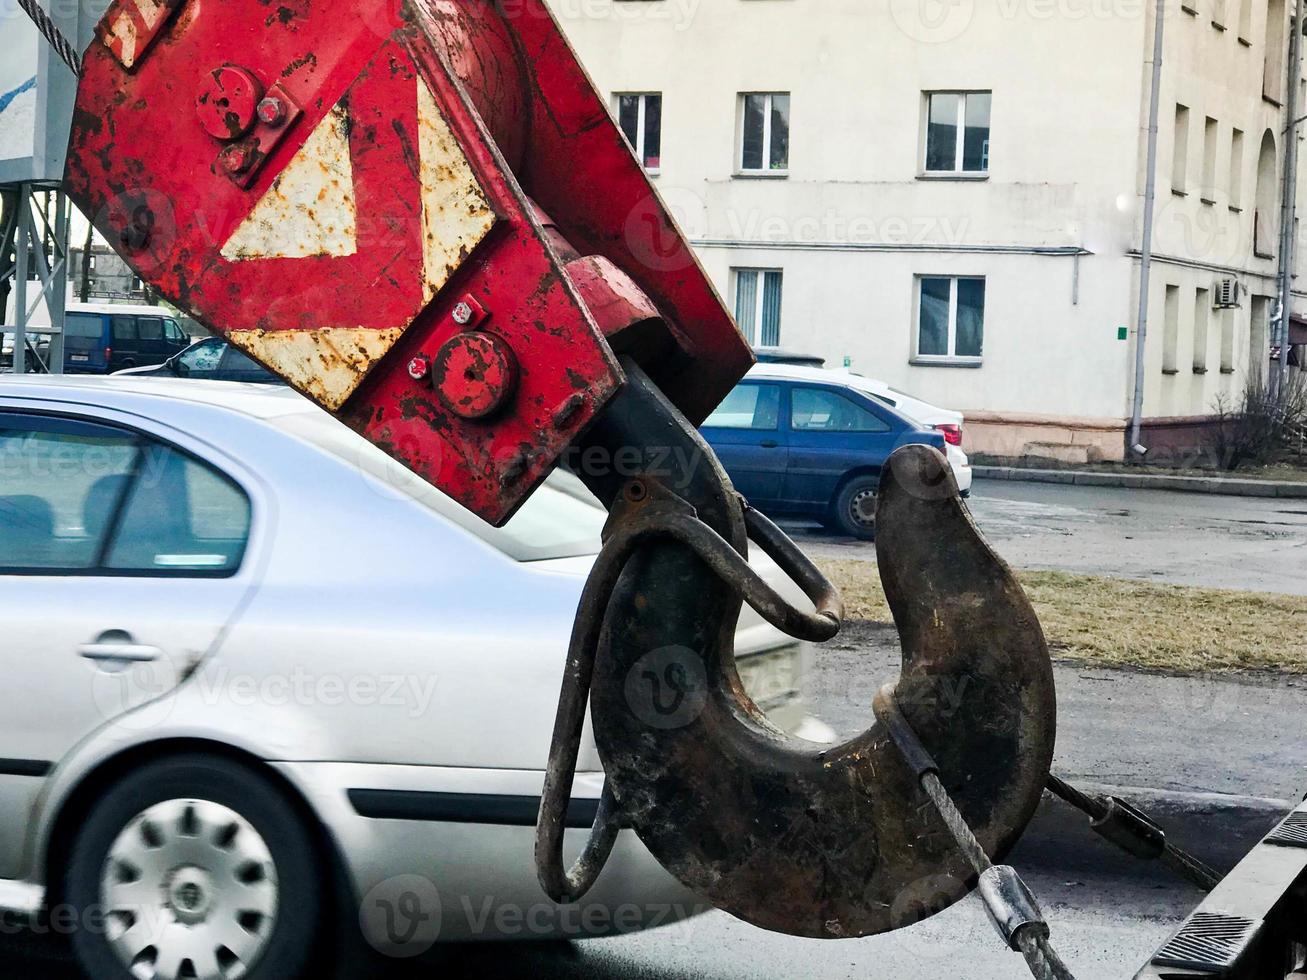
(257, 672)
(948, 422)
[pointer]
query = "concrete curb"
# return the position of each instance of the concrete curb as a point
(1217, 828)
(1146, 481)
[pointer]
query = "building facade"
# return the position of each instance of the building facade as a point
(949, 196)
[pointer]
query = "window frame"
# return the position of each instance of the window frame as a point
(960, 131)
(642, 108)
(951, 358)
(782, 401)
(139, 435)
(753, 333)
(740, 170)
(838, 391)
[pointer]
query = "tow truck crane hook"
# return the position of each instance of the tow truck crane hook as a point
(819, 842)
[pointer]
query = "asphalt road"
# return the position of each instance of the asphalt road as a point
(1237, 738)
(1186, 538)
(1105, 929)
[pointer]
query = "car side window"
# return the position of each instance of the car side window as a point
(124, 328)
(149, 328)
(181, 515)
(203, 358)
(824, 410)
(748, 406)
(77, 497)
(173, 332)
(60, 482)
(237, 364)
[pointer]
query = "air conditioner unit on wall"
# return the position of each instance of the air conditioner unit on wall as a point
(1225, 294)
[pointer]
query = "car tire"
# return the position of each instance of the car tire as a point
(854, 508)
(216, 856)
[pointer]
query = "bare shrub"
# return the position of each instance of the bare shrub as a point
(1254, 429)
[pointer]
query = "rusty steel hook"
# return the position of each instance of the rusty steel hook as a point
(798, 839)
(666, 518)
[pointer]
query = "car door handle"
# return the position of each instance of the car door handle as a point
(133, 653)
(769, 444)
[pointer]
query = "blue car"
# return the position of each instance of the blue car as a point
(810, 449)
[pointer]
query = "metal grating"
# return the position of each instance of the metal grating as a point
(1291, 833)
(1208, 942)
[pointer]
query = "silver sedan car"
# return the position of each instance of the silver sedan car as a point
(258, 677)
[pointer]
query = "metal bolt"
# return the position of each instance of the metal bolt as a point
(419, 367)
(462, 314)
(272, 111)
(237, 159)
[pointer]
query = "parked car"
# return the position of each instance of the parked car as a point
(248, 655)
(211, 359)
(945, 420)
(100, 338)
(779, 355)
(801, 442)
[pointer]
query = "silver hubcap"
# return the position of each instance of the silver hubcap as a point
(189, 889)
(862, 508)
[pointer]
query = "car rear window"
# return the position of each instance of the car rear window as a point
(560, 520)
(83, 325)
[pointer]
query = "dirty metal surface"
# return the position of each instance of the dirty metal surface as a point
(823, 843)
(386, 175)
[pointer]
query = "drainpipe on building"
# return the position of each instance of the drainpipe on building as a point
(1146, 245)
(1288, 204)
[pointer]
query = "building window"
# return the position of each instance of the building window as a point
(1180, 149)
(1208, 192)
(950, 318)
(957, 132)
(1236, 169)
(1273, 63)
(1202, 315)
(1227, 341)
(1170, 329)
(640, 114)
(758, 305)
(1265, 205)
(764, 133)
(1246, 21)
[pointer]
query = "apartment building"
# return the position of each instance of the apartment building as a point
(949, 196)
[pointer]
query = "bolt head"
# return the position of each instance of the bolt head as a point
(462, 314)
(237, 159)
(272, 111)
(419, 367)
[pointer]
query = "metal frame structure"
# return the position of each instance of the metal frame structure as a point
(34, 237)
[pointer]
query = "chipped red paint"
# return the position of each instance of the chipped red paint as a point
(170, 194)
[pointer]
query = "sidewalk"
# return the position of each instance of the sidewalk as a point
(1232, 486)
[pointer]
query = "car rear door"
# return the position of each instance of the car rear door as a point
(123, 558)
(747, 432)
(151, 347)
(125, 341)
(833, 431)
(85, 340)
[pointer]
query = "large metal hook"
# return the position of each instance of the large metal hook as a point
(813, 842)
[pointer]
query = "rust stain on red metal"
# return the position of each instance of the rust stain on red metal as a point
(375, 169)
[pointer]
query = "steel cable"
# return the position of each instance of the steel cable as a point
(1180, 861)
(1041, 958)
(62, 47)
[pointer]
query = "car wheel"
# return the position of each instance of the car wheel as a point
(854, 509)
(197, 867)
